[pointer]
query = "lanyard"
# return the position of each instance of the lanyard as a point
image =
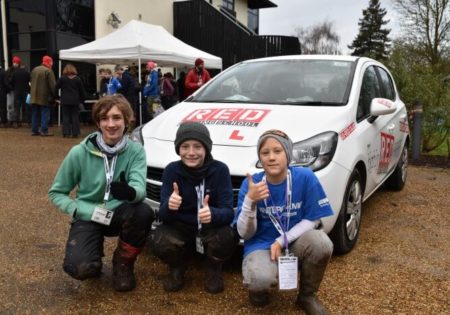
(278, 222)
(109, 171)
(200, 197)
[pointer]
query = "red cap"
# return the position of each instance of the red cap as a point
(47, 60)
(199, 61)
(151, 65)
(16, 59)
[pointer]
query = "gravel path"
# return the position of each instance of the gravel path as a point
(401, 264)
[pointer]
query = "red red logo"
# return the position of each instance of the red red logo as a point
(387, 146)
(347, 131)
(245, 117)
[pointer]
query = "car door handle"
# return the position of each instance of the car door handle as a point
(391, 127)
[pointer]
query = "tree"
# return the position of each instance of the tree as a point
(417, 80)
(318, 39)
(427, 24)
(372, 40)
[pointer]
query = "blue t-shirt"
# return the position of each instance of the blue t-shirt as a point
(308, 201)
(113, 86)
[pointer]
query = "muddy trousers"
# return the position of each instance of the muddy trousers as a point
(261, 273)
(172, 243)
(84, 248)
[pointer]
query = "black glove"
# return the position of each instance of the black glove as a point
(121, 190)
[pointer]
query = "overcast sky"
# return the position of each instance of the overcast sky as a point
(344, 14)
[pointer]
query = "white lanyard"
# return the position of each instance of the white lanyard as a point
(277, 223)
(200, 196)
(109, 172)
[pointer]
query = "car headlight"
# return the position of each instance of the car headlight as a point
(136, 135)
(315, 152)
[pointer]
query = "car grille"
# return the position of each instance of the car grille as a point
(154, 182)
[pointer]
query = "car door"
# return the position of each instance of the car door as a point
(397, 120)
(376, 137)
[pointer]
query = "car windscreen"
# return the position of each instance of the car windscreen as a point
(291, 82)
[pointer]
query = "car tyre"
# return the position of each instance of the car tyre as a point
(397, 179)
(346, 229)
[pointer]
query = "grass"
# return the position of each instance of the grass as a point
(442, 150)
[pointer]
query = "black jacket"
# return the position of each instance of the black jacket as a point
(20, 80)
(72, 91)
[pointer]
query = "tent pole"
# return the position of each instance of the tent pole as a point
(140, 91)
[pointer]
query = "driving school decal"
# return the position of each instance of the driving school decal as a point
(239, 117)
(386, 148)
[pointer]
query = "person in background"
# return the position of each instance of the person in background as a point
(279, 210)
(151, 89)
(113, 85)
(42, 96)
(107, 170)
(180, 86)
(3, 92)
(72, 95)
(103, 82)
(196, 210)
(20, 85)
(196, 77)
(128, 88)
(168, 93)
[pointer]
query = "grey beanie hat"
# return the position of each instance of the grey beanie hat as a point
(191, 130)
(281, 137)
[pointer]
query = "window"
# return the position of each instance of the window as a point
(228, 4)
(387, 90)
(370, 88)
(253, 20)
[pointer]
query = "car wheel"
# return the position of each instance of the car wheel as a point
(397, 179)
(346, 229)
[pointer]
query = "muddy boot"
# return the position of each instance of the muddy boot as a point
(310, 278)
(123, 266)
(259, 298)
(214, 277)
(174, 281)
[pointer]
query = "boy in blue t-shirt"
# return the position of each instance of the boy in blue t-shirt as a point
(278, 211)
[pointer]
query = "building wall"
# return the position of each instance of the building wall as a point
(159, 12)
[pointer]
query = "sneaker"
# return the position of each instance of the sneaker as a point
(44, 134)
(35, 134)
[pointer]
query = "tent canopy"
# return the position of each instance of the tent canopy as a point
(140, 41)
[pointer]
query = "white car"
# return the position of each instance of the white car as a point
(343, 114)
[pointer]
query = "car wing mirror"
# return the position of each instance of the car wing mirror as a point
(381, 106)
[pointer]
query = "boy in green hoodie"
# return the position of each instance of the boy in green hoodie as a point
(108, 171)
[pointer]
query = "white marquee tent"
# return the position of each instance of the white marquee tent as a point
(141, 42)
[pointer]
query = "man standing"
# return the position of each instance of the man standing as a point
(42, 95)
(152, 88)
(196, 77)
(20, 84)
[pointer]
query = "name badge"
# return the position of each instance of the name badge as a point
(199, 245)
(102, 215)
(287, 272)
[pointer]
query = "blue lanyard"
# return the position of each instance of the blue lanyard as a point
(278, 221)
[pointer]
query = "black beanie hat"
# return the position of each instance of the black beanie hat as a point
(190, 130)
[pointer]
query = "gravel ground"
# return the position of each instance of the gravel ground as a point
(401, 264)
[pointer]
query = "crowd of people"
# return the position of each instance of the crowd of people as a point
(34, 94)
(278, 214)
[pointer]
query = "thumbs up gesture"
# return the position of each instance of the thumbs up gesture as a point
(204, 214)
(121, 190)
(257, 191)
(175, 198)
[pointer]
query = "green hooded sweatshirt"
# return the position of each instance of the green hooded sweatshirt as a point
(83, 169)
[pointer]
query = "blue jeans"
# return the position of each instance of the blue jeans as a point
(45, 117)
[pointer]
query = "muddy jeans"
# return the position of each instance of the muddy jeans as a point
(84, 248)
(261, 273)
(172, 243)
